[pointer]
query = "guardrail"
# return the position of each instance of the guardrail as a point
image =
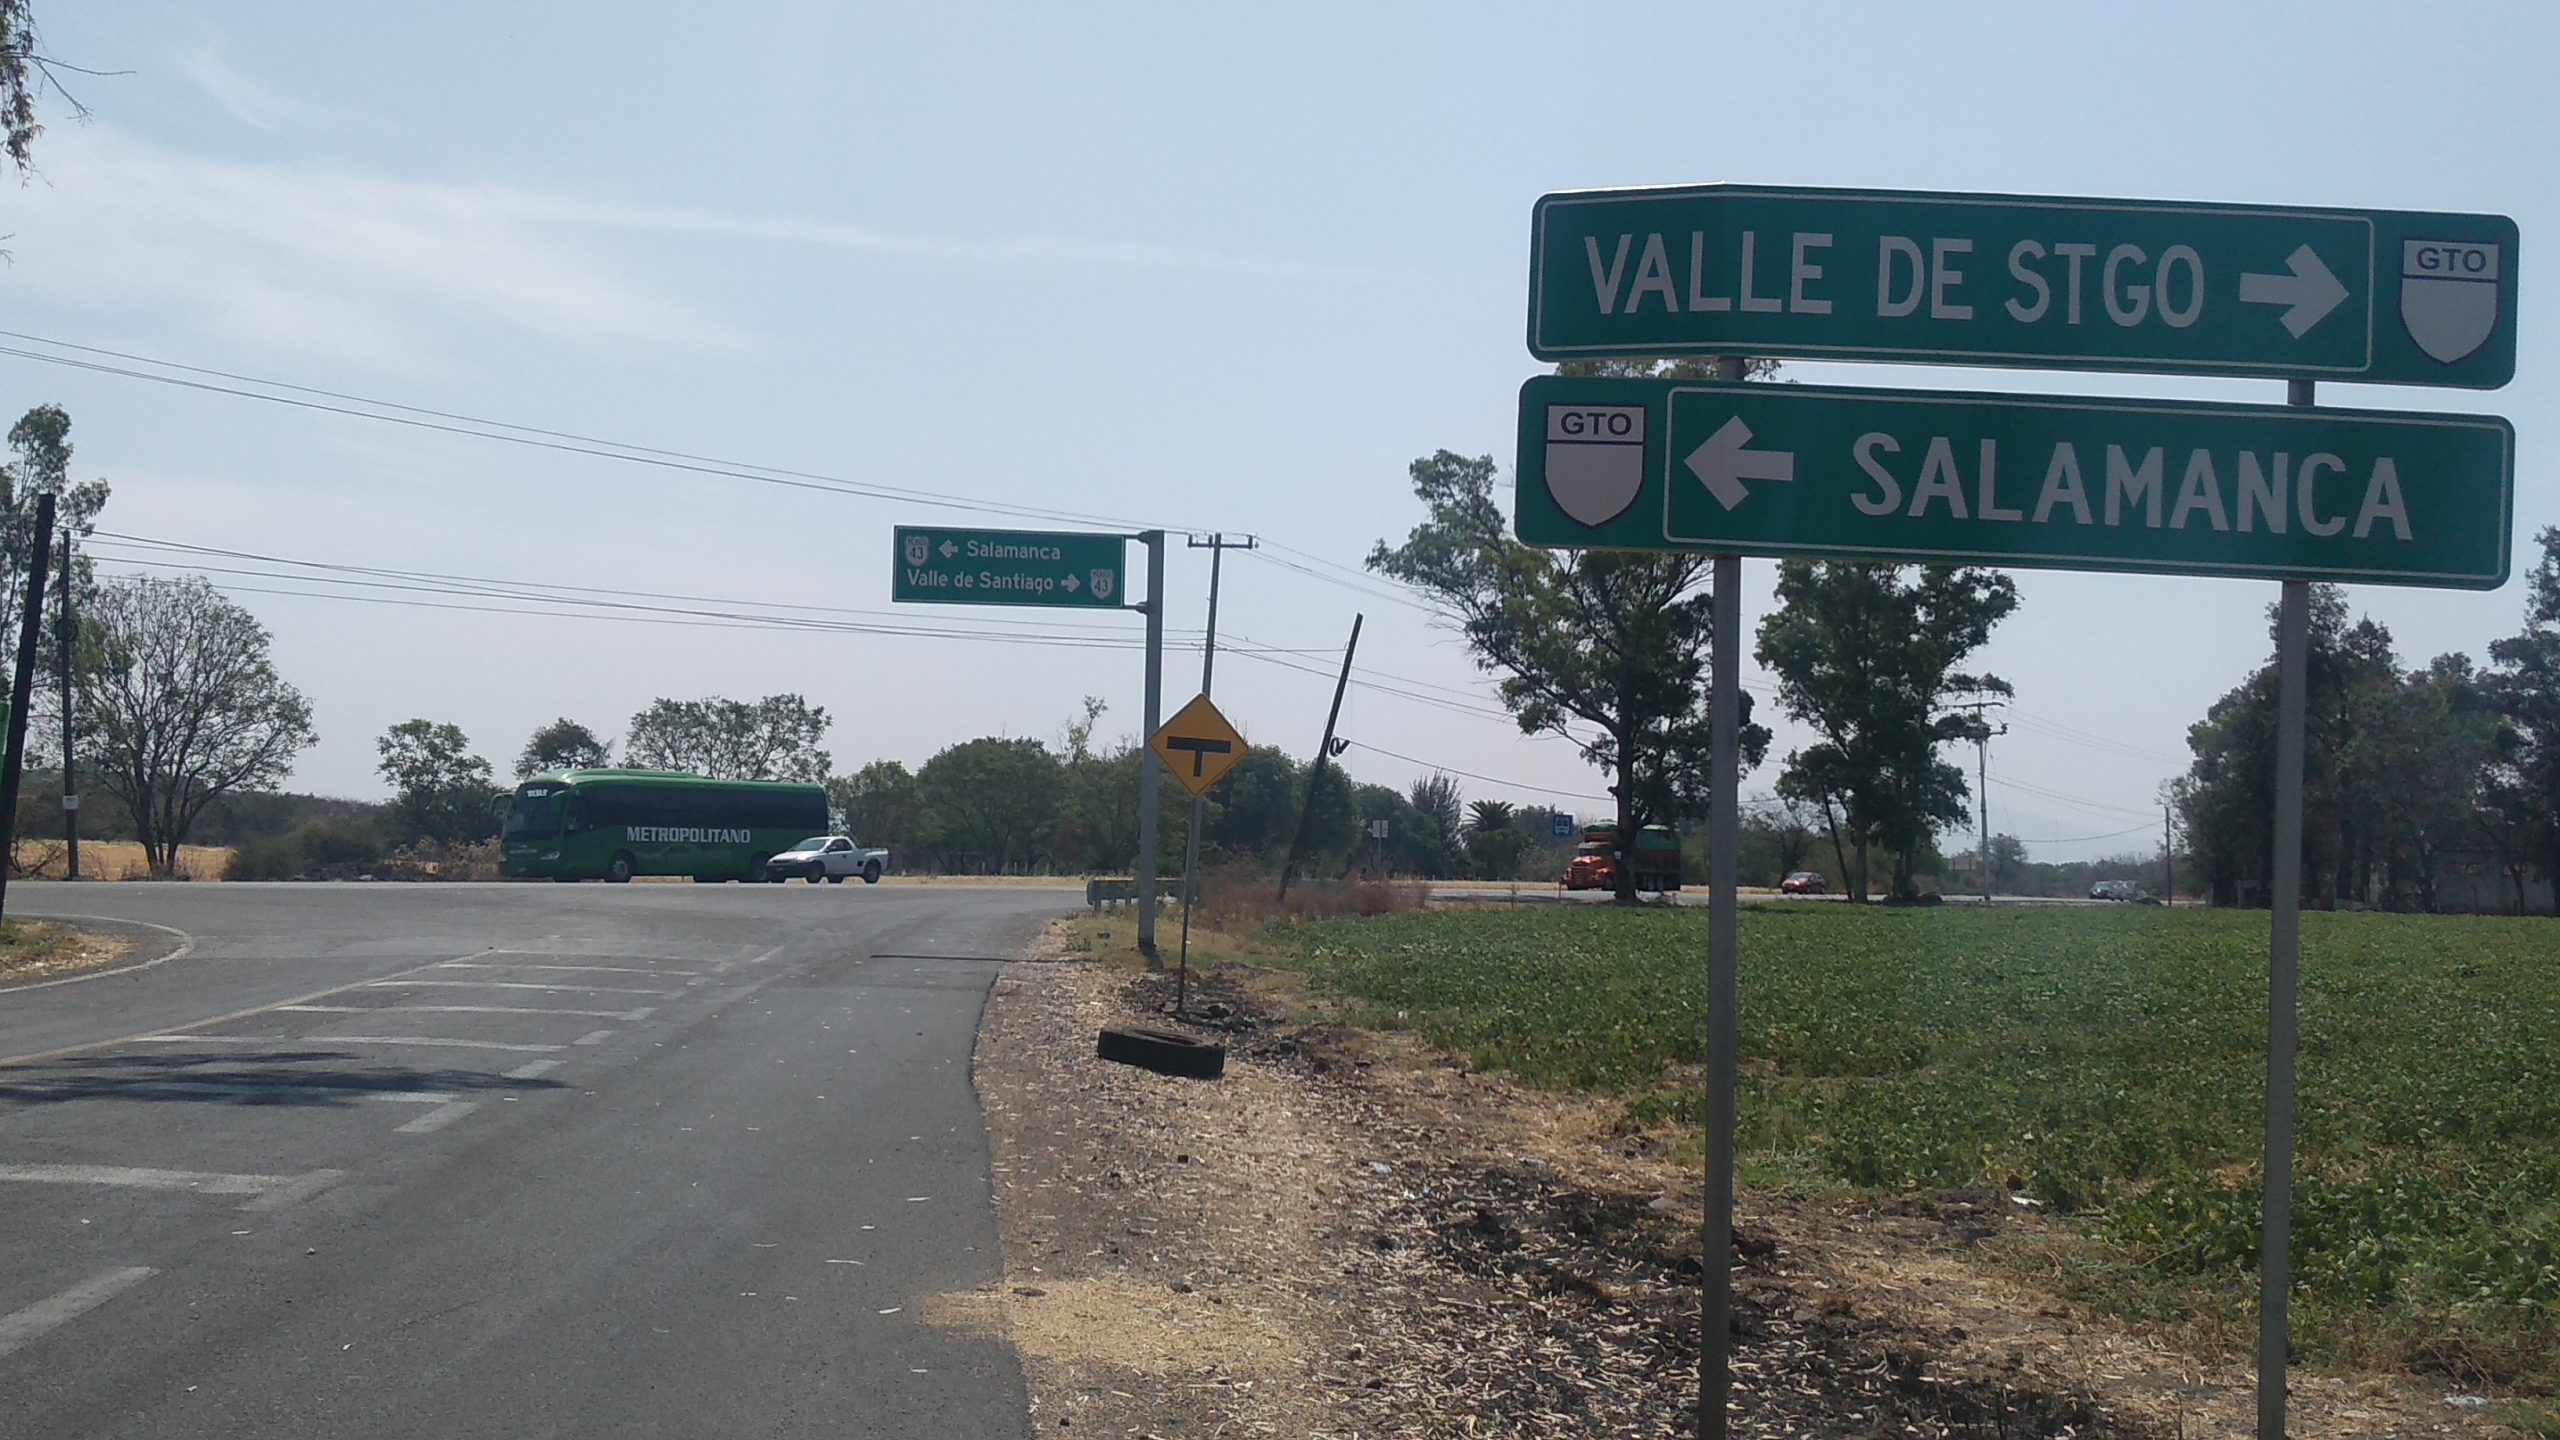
(1101, 890)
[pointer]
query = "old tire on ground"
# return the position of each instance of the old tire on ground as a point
(619, 870)
(1166, 1052)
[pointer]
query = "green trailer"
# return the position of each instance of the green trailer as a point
(615, 824)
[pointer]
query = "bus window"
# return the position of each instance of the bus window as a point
(535, 814)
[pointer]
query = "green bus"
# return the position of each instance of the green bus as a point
(614, 824)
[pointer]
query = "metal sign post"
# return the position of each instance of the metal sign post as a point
(1724, 851)
(1149, 779)
(2284, 949)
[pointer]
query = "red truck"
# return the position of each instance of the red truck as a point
(1655, 858)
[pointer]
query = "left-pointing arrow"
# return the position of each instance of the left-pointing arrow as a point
(1723, 464)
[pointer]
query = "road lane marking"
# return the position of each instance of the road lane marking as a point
(593, 1037)
(296, 1190)
(556, 987)
(438, 1118)
(205, 1040)
(414, 1097)
(533, 1070)
(202, 1182)
(642, 1013)
(212, 1020)
(599, 969)
(429, 1040)
(19, 1327)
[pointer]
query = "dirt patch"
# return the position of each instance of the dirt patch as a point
(34, 951)
(1352, 1237)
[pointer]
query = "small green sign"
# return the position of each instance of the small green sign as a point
(2387, 297)
(1008, 567)
(2039, 481)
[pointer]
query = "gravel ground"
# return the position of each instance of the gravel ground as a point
(1349, 1237)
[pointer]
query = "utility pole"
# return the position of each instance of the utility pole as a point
(70, 775)
(1982, 733)
(2168, 854)
(1324, 750)
(1217, 545)
(22, 689)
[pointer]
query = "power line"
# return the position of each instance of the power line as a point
(535, 437)
(1471, 775)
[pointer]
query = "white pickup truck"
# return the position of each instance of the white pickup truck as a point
(832, 858)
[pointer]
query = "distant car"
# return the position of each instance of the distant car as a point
(1805, 882)
(2124, 890)
(831, 858)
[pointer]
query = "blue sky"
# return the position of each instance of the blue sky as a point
(1196, 266)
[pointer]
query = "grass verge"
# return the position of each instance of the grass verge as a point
(2105, 1064)
(34, 950)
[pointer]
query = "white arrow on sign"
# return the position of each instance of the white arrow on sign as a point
(1723, 464)
(949, 549)
(1070, 583)
(2310, 292)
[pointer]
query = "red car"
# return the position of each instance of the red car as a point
(1805, 882)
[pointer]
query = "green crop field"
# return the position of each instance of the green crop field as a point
(2106, 1062)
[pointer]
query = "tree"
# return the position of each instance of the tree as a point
(185, 706)
(41, 441)
(1495, 841)
(879, 802)
(1615, 642)
(441, 791)
(1252, 810)
(1436, 798)
(564, 744)
(993, 803)
(1867, 656)
(2521, 803)
(775, 738)
(25, 72)
(2008, 861)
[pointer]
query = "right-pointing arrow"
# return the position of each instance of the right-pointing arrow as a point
(1722, 463)
(2309, 293)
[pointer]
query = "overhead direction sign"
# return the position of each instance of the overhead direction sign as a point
(1008, 567)
(2038, 481)
(1198, 746)
(2381, 296)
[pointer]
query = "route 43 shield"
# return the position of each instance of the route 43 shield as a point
(1104, 582)
(919, 549)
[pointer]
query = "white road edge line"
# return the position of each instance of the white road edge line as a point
(19, 1327)
(438, 1118)
(431, 1040)
(186, 947)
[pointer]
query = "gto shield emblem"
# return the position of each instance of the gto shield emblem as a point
(1104, 582)
(2448, 295)
(1595, 459)
(919, 549)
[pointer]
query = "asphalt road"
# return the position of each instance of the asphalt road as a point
(465, 1161)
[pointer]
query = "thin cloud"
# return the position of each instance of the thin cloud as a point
(363, 269)
(1017, 249)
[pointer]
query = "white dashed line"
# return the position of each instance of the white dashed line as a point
(204, 1040)
(438, 1118)
(600, 969)
(413, 1097)
(430, 1040)
(555, 987)
(593, 1037)
(296, 1190)
(533, 1070)
(21, 1326)
(267, 1192)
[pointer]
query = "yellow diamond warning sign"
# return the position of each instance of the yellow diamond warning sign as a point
(1198, 746)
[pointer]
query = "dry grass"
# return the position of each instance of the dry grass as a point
(118, 860)
(31, 950)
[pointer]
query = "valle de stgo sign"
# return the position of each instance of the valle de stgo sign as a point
(2380, 296)
(2062, 482)
(1008, 567)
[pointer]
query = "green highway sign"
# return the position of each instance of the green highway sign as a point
(1008, 567)
(2380, 296)
(2039, 481)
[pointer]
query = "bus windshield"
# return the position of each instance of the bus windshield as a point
(536, 812)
